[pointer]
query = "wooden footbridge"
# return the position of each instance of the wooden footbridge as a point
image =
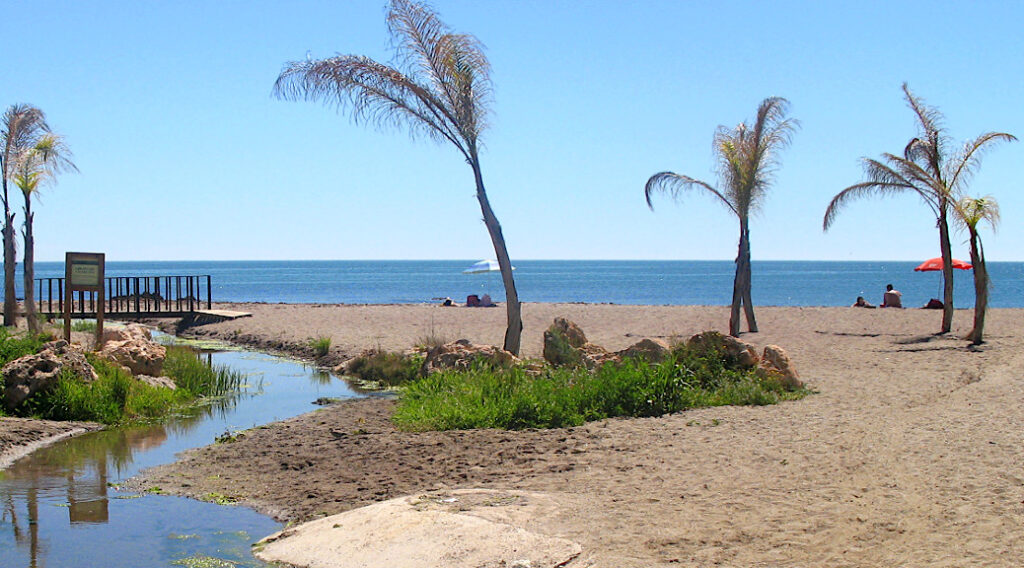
(131, 297)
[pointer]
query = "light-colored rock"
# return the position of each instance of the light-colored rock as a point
(776, 361)
(162, 382)
(566, 345)
(469, 528)
(137, 351)
(651, 350)
(462, 354)
(30, 374)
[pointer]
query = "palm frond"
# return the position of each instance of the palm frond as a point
(968, 160)
(970, 211)
(674, 184)
(22, 124)
(374, 92)
(930, 145)
(882, 180)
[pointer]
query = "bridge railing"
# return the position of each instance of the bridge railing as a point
(130, 295)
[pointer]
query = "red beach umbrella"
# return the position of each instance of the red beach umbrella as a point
(936, 264)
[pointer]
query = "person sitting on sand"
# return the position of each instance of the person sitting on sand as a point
(891, 298)
(862, 303)
(485, 301)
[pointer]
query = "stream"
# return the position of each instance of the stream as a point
(60, 507)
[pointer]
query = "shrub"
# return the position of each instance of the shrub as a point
(321, 346)
(384, 368)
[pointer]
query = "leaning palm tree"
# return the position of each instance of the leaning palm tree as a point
(929, 169)
(747, 158)
(35, 168)
(970, 212)
(440, 88)
(22, 125)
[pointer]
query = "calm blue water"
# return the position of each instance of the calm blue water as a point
(775, 283)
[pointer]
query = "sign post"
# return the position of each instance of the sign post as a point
(83, 272)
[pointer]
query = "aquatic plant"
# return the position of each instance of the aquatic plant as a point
(320, 345)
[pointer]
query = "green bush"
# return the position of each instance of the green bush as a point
(384, 368)
(13, 346)
(512, 399)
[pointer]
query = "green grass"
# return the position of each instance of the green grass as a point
(321, 346)
(13, 346)
(83, 325)
(116, 397)
(511, 399)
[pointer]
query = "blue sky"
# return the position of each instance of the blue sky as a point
(184, 154)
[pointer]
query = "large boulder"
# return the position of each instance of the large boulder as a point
(30, 374)
(462, 354)
(134, 349)
(741, 352)
(776, 362)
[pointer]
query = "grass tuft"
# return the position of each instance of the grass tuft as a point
(321, 346)
(512, 399)
(385, 368)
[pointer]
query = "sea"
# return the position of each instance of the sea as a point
(641, 282)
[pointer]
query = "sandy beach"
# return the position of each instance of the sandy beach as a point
(910, 453)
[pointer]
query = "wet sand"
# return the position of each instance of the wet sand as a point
(910, 454)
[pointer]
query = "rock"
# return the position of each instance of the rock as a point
(651, 350)
(30, 374)
(130, 331)
(162, 382)
(776, 362)
(743, 353)
(462, 354)
(137, 352)
(562, 342)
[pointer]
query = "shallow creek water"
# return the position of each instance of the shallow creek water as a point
(60, 507)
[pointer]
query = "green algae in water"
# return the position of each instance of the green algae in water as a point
(204, 561)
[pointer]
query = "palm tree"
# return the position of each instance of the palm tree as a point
(442, 90)
(970, 211)
(747, 158)
(36, 167)
(929, 169)
(22, 126)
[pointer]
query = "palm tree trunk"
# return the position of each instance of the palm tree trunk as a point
(29, 268)
(737, 288)
(748, 304)
(10, 300)
(947, 269)
(980, 288)
(513, 309)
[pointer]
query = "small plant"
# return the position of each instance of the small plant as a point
(321, 346)
(385, 368)
(83, 325)
(198, 378)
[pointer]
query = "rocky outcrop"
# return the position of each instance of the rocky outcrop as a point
(776, 361)
(565, 344)
(134, 349)
(462, 354)
(30, 374)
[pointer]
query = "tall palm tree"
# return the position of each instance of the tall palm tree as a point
(747, 158)
(36, 167)
(22, 126)
(970, 212)
(441, 89)
(932, 171)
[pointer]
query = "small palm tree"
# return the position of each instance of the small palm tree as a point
(747, 158)
(35, 168)
(21, 127)
(970, 212)
(442, 90)
(929, 169)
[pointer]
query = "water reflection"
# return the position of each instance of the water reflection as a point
(60, 505)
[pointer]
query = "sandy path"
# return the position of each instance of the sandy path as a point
(910, 453)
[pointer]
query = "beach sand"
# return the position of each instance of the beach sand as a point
(910, 454)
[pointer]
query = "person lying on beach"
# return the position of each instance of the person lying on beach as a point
(891, 298)
(862, 303)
